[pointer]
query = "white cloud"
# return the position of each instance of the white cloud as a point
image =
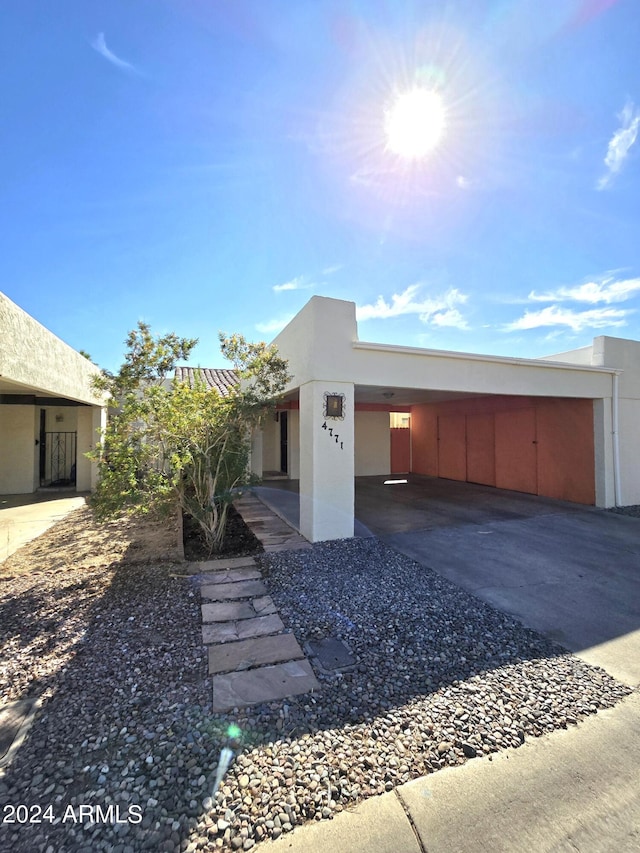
(553, 315)
(276, 325)
(620, 143)
(332, 269)
(100, 45)
(298, 283)
(608, 290)
(452, 318)
(408, 302)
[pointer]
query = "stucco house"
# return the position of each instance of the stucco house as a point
(565, 426)
(49, 413)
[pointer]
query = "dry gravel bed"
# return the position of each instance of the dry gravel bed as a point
(441, 678)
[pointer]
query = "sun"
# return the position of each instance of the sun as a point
(414, 123)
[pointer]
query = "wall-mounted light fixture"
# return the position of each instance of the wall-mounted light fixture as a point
(334, 406)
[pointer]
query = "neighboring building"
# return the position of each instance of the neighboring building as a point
(218, 379)
(49, 413)
(565, 426)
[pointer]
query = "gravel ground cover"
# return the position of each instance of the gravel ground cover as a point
(633, 510)
(440, 678)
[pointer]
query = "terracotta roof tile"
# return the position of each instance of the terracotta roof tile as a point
(221, 380)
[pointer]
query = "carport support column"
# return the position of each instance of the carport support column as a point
(326, 462)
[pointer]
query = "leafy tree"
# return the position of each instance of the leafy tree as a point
(169, 442)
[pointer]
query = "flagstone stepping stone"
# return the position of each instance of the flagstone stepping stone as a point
(227, 611)
(226, 563)
(225, 632)
(239, 589)
(231, 611)
(231, 576)
(264, 684)
(264, 605)
(255, 652)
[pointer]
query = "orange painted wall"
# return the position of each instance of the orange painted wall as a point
(424, 441)
(400, 450)
(534, 444)
(566, 450)
(481, 457)
(452, 447)
(516, 450)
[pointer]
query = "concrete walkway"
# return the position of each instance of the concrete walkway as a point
(25, 517)
(573, 790)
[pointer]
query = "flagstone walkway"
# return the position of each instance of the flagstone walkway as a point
(252, 656)
(273, 531)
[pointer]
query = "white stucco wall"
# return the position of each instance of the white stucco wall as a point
(326, 463)
(603, 453)
(318, 341)
(271, 445)
(294, 444)
(255, 462)
(624, 355)
(90, 422)
(321, 343)
(372, 443)
(629, 429)
(17, 450)
(583, 355)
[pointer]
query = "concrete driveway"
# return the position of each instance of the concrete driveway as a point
(24, 517)
(572, 573)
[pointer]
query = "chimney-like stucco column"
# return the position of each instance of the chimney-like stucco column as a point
(326, 462)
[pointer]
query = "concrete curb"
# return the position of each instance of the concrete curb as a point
(571, 790)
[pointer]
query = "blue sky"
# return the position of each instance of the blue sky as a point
(209, 164)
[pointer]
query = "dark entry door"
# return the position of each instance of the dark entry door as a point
(43, 445)
(284, 436)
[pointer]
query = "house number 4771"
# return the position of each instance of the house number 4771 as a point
(332, 435)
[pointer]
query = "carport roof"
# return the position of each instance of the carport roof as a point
(547, 361)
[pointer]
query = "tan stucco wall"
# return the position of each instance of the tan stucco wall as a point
(372, 443)
(17, 450)
(68, 418)
(34, 356)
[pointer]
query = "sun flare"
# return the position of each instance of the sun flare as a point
(414, 123)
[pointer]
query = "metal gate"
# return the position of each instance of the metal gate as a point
(59, 459)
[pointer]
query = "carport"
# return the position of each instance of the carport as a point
(556, 427)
